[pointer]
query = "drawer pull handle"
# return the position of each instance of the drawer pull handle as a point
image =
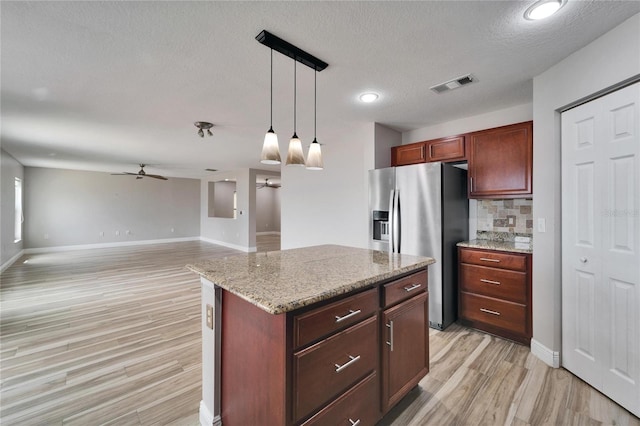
(351, 313)
(352, 359)
(490, 311)
(413, 287)
(390, 327)
(489, 281)
(356, 423)
(490, 260)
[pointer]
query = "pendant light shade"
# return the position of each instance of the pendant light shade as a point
(270, 147)
(314, 160)
(295, 156)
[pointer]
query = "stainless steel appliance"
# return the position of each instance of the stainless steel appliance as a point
(423, 210)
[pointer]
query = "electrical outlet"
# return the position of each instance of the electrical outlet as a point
(117, 233)
(173, 230)
(210, 316)
(128, 232)
(101, 233)
(46, 236)
(511, 221)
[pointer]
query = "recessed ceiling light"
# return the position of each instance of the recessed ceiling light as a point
(368, 97)
(543, 9)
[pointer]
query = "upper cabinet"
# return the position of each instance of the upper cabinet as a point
(501, 162)
(443, 149)
(404, 155)
(446, 149)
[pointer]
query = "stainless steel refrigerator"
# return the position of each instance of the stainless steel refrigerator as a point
(423, 210)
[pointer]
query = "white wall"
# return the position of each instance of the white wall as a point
(268, 209)
(330, 206)
(502, 117)
(70, 207)
(608, 60)
(385, 138)
(10, 169)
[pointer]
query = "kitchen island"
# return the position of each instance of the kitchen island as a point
(311, 335)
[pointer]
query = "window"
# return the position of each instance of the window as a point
(18, 217)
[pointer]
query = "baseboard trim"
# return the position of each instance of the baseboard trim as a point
(268, 233)
(229, 245)
(206, 417)
(11, 261)
(546, 355)
(107, 245)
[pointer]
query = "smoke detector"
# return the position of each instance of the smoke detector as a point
(453, 84)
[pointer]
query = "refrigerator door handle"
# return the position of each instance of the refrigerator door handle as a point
(396, 222)
(392, 234)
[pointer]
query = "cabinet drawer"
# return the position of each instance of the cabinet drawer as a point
(516, 262)
(328, 368)
(493, 282)
(339, 315)
(506, 315)
(404, 288)
(358, 404)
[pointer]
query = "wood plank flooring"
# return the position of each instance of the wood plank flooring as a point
(112, 336)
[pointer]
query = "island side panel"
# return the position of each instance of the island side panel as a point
(253, 362)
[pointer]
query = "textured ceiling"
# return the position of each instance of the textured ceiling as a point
(107, 85)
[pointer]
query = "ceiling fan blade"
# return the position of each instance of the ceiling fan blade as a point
(156, 177)
(124, 174)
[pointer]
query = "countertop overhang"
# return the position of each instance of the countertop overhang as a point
(283, 281)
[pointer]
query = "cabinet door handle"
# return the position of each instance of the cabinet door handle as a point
(430, 151)
(354, 423)
(471, 183)
(490, 260)
(351, 313)
(412, 287)
(490, 311)
(390, 342)
(490, 281)
(352, 359)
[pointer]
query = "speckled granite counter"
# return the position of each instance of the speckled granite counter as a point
(498, 245)
(282, 281)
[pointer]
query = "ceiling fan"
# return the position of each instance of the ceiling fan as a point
(267, 183)
(141, 174)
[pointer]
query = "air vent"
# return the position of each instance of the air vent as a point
(211, 170)
(453, 84)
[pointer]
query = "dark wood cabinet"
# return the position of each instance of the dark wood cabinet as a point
(446, 149)
(322, 364)
(405, 354)
(405, 155)
(495, 292)
(501, 162)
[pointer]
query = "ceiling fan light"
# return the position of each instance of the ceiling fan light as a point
(314, 159)
(209, 132)
(295, 156)
(201, 133)
(270, 148)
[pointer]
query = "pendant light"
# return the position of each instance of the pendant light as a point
(270, 148)
(314, 159)
(295, 156)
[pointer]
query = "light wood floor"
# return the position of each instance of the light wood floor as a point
(112, 336)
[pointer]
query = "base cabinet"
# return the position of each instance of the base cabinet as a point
(346, 361)
(405, 353)
(495, 292)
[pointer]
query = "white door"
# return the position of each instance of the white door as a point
(601, 244)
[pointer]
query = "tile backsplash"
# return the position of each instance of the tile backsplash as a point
(512, 216)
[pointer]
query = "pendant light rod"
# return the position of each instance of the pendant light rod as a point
(295, 97)
(315, 103)
(288, 49)
(271, 119)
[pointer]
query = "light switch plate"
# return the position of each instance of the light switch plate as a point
(542, 225)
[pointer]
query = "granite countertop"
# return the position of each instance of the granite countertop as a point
(282, 281)
(498, 245)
